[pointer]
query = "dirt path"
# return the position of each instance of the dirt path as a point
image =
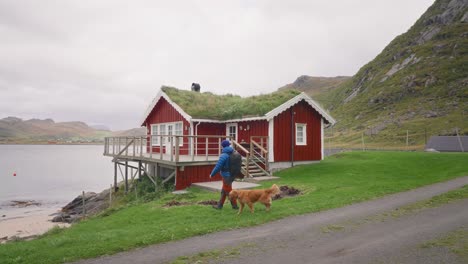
(354, 234)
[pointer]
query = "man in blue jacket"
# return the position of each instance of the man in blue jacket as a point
(223, 167)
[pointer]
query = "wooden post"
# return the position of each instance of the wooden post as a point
(407, 135)
(206, 148)
(172, 147)
(139, 169)
(177, 149)
(84, 204)
(105, 146)
(459, 141)
(126, 176)
(247, 160)
(220, 148)
(362, 138)
(156, 174)
(160, 148)
(141, 146)
(115, 176)
(110, 196)
(134, 145)
(126, 143)
(151, 146)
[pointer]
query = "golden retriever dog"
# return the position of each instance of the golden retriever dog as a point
(250, 197)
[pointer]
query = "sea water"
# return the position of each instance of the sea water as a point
(51, 175)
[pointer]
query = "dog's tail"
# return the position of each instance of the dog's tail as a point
(273, 190)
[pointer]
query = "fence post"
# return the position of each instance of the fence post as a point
(84, 204)
(177, 149)
(362, 138)
(407, 135)
(206, 148)
(459, 141)
(110, 196)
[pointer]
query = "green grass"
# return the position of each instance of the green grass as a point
(337, 181)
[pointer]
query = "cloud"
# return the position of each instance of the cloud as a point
(102, 61)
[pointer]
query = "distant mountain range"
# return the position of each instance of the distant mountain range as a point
(16, 130)
(417, 85)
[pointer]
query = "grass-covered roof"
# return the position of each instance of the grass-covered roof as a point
(222, 107)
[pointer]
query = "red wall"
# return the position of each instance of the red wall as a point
(194, 174)
(163, 112)
(303, 113)
(257, 128)
(209, 129)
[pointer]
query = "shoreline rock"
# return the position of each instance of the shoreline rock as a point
(73, 211)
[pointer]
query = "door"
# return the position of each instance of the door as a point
(170, 132)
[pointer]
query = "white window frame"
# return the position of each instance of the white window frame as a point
(304, 134)
(161, 129)
(228, 134)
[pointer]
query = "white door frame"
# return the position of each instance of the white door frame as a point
(228, 126)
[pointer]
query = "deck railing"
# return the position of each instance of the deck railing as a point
(172, 148)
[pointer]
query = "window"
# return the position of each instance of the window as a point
(231, 131)
(166, 129)
(301, 134)
(162, 131)
(178, 131)
(154, 135)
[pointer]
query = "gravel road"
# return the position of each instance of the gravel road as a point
(359, 233)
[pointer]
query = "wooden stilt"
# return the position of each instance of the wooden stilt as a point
(126, 176)
(139, 169)
(156, 174)
(115, 176)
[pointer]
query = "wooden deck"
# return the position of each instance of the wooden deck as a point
(203, 150)
(188, 159)
(168, 159)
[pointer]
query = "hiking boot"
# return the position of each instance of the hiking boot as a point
(218, 207)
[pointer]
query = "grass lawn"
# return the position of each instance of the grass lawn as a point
(337, 181)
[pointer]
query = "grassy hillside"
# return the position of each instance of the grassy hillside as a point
(315, 86)
(417, 84)
(337, 181)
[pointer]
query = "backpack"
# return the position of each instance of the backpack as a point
(235, 164)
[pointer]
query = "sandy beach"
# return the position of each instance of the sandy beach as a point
(26, 222)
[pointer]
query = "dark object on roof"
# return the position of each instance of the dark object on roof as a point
(195, 87)
(448, 143)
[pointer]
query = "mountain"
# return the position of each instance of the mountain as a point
(16, 130)
(418, 85)
(315, 86)
(134, 132)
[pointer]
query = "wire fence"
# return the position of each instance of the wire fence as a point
(403, 140)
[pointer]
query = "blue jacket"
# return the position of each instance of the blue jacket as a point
(223, 163)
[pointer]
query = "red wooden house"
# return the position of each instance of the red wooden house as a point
(185, 128)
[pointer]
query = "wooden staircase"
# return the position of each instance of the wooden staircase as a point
(254, 169)
(255, 158)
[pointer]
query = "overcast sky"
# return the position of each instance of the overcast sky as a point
(102, 62)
